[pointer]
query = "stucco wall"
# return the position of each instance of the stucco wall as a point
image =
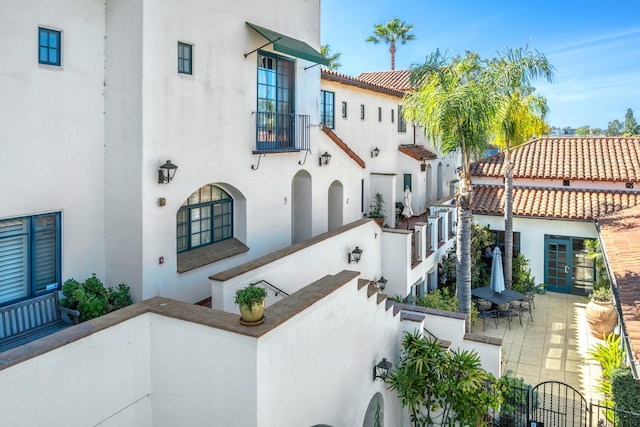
(52, 129)
(532, 232)
(103, 378)
(317, 368)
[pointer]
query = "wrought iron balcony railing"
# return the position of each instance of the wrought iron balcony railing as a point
(282, 132)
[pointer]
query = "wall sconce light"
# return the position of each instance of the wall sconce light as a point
(166, 172)
(381, 370)
(325, 159)
(375, 152)
(354, 255)
(382, 283)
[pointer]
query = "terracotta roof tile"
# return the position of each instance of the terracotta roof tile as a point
(594, 159)
(418, 152)
(620, 233)
(397, 79)
(552, 202)
(334, 76)
(340, 143)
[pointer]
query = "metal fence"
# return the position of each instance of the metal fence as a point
(556, 404)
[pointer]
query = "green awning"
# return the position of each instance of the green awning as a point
(290, 46)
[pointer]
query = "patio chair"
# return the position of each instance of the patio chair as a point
(522, 305)
(485, 314)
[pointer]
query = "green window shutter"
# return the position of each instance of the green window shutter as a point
(14, 260)
(45, 254)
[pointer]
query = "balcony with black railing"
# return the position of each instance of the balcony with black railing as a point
(282, 132)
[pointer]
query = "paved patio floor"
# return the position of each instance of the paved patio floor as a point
(552, 347)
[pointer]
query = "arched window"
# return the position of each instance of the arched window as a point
(206, 217)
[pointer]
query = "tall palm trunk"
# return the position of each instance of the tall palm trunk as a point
(508, 218)
(392, 49)
(463, 249)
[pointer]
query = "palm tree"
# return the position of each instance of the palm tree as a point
(455, 106)
(520, 116)
(390, 33)
(334, 60)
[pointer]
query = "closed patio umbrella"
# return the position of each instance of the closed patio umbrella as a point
(407, 211)
(497, 273)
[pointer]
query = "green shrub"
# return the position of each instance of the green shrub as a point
(92, 299)
(443, 299)
(119, 297)
(625, 392)
(610, 355)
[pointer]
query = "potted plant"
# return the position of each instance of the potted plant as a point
(377, 209)
(601, 314)
(251, 303)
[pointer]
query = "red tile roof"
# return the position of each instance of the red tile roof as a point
(593, 159)
(620, 234)
(344, 147)
(397, 79)
(552, 202)
(418, 152)
(334, 76)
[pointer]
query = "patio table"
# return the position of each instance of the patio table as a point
(496, 299)
(504, 297)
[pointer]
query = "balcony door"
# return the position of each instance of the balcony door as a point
(275, 121)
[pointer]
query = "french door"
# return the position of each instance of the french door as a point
(568, 269)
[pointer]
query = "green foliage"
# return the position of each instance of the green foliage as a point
(631, 127)
(250, 295)
(377, 207)
(614, 128)
(394, 31)
(119, 297)
(594, 252)
(434, 383)
(610, 355)
(522, 280)
(481, 237)
(443, 299)
(440, 299)
(334, 59)
(92, 299)
(601, 295)
(583, 131)
(625, 393)
(514, 393)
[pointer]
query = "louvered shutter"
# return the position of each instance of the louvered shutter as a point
(14, 259)
(45, 254)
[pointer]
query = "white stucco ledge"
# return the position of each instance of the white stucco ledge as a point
(275, 315)
(282, 253)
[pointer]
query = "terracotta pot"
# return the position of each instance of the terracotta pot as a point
(379, 221)
(254, 314)
(602, 318)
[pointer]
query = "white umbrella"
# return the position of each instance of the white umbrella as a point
(497, 275)
(407, 211)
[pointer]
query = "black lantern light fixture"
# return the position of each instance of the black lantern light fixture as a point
(166, 172)
(354, 255)
(375, 152)
(325, 159)
(381, 370)
(382, 283)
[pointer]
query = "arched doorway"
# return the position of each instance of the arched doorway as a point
(439, 178)
(301, 207)
(374, 416)
(335, 206)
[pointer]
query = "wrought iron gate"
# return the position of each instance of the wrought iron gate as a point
(556, 404)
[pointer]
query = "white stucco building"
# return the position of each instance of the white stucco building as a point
(97, 96)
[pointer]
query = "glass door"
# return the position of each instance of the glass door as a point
(568, 268)
(557, 264)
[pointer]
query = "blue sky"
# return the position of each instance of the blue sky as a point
(594, 45)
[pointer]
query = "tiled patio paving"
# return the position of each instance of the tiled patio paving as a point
(552, 347)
